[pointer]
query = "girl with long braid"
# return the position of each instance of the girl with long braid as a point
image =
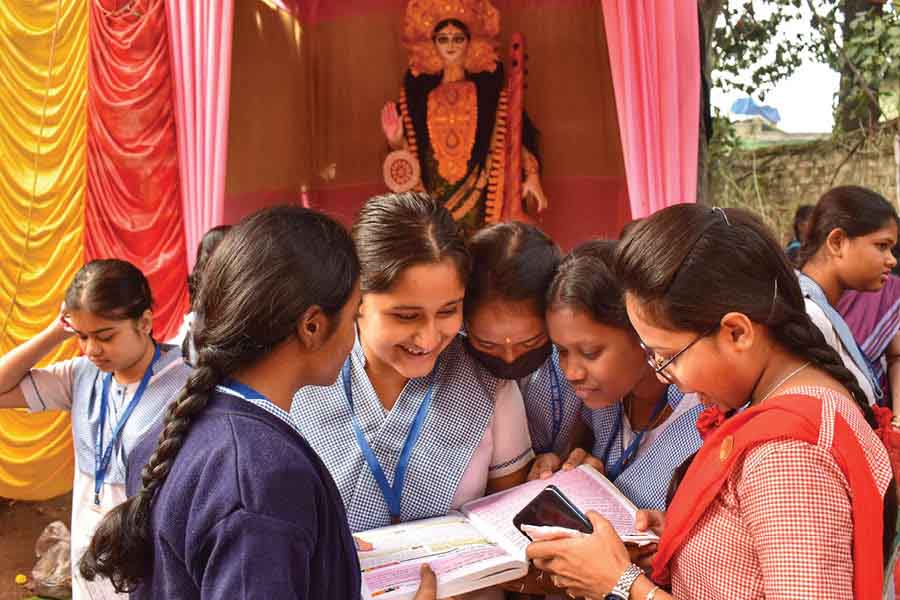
(233, 502)
(790, 495)
(848, 247)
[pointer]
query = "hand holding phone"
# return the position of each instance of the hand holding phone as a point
(546, 533)
(551, 508)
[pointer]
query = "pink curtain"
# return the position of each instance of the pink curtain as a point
(200, 43)
(655, 59)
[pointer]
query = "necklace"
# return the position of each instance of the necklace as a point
(780, 383)
(655, 416)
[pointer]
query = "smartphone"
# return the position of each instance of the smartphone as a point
(551, 508)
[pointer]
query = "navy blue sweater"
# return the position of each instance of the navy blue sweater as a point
(248, 511)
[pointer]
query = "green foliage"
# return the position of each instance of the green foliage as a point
(874, 50)
(724, 141)
(752, 51)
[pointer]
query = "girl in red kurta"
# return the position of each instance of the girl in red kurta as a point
(787, 496)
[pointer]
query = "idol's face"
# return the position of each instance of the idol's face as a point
(452, 45)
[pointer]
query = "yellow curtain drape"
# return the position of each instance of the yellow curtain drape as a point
(43, 86)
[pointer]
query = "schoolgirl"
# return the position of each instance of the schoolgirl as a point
(643, 426)
(848, 247)
(233, 503)
(791, 497)
(512, 267)
(413, 426)
(208, 243)
(115, 392)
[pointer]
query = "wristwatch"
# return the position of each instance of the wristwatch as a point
(622, 590)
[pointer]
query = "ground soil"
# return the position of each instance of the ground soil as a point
(20, 525)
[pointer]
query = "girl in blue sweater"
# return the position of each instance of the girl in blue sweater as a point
(232, 502)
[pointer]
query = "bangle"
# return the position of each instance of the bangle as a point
(652, 593)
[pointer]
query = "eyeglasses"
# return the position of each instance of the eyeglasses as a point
(445, 40)
(659, 365)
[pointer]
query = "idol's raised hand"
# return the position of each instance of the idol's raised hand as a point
(392, 125)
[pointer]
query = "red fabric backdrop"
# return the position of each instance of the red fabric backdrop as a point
(133, 207)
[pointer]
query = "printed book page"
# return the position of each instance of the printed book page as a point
(584, 486)
(462, 558)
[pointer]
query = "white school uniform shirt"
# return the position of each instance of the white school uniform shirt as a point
(817, 315)
(538, 396)
(475, 430)
(645, 479)
(75, 385)
(184, 331)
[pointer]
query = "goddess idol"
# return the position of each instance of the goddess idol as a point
(459, 130)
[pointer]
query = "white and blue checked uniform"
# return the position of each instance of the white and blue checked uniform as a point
(461, 411)
(169, 375)
(645, 480)
(47, 389)
(537, 393)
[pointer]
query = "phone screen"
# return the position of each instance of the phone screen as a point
(551, 508)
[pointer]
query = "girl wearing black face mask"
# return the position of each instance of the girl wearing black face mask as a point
(512, 267)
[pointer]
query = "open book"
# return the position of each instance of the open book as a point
(479, 546)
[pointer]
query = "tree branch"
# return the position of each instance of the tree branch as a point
(863, 84)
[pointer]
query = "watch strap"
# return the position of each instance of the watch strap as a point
(622, 589)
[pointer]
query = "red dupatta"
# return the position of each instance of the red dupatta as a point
(791, 416)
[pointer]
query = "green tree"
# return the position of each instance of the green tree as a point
(746, 48)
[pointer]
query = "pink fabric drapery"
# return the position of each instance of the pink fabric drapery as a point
(200, 45)
(655, 59)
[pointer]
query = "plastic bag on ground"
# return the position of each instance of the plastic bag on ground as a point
(52, 574)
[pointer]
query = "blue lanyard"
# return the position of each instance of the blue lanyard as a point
(392, 494)
(102, 458)
(555, 408)
(615, 469)
(236, 388)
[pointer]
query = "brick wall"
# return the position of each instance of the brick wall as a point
(773, 181)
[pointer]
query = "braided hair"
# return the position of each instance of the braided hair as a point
(267, 272)
(690, 265)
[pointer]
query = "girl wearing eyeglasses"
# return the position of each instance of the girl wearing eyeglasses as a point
(848, 247)
(643, 426)
(791, 494)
